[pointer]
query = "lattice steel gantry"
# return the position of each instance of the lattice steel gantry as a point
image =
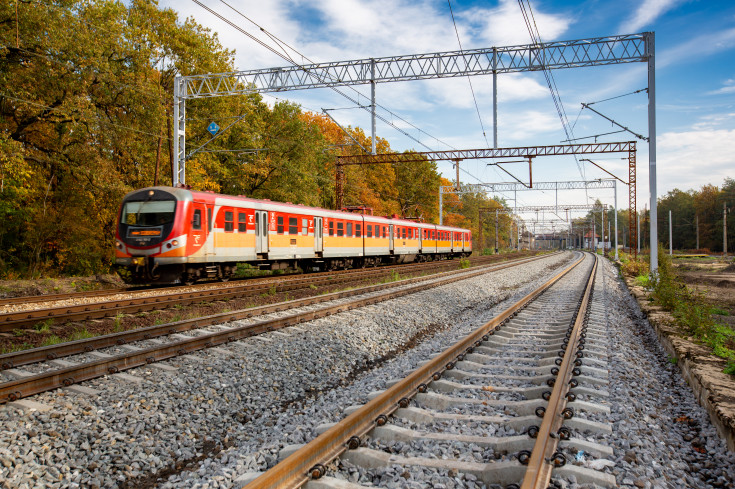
(598, 51)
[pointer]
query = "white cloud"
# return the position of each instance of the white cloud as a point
(728, 87)
(705, 157)
(697, 47)
(504, 25)
(647, 12)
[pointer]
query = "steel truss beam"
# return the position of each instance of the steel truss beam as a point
(578, 53)
(489, 153)
(518, 187)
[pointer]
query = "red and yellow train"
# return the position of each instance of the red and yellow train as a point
(174, 235)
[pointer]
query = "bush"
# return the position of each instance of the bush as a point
(692, 312)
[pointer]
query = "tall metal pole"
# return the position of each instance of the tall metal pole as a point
(496, 230)
(696, 217)
(372, 99)
(615, 190)
(650, 50)
(724, 228)
(456, 162)
(441, 214)
(602, 228)
(638, 223)
(179, 169)
(671, 243)
(495, 98)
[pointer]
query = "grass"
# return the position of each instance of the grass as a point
(720, 312)
(117, 322)
(692, 312)
(44, 326)
(464, 263)
(14, 348)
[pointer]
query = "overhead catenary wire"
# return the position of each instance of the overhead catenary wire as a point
(533, 31)
(469, 79)
(290, 60)
(282, 43)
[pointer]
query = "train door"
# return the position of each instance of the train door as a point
(261, 231)
(390, 237)
(318, 235)
(199, 224)
(421, 239)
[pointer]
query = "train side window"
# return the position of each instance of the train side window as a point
(340, 229)
(358, 230)
(279, 226)
(209, 219)
(304, 226)
(293, 225)
(349, 230)
(229, 221)
(404, 233)
(331, 228)
(242, 223)
(369, 231)
(385, 232)
(196, 222)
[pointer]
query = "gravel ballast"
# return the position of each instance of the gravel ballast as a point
(229, 412)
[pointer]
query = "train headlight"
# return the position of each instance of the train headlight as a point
(175, 242)
(119, 245)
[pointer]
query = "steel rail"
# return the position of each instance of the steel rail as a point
(96, 310)
(16, 389)
(308, 461)
(233, 283)
(53, 352)
(544, 456)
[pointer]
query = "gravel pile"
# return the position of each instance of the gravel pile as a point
(223, 415)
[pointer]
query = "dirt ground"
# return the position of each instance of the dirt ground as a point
(61, 285)
(715, 279)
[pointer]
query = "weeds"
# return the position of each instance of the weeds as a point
(14, 348)
(52, 340)
(692, 312)
(117, 322)
(720, 312)
(44, 326)
(80, 334)
(464, 263)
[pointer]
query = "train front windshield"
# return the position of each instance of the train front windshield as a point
(148, 213)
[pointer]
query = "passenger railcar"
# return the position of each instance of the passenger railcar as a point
(172, 235)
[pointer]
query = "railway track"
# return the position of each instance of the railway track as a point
(555, 392)
(135, 302)
(66, 364)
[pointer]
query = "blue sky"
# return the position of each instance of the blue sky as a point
(695, 80)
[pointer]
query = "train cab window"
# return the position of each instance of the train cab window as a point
(349, 230)
(209, 219)
(331, 228)
(304, 226)
(340, 229)
(279, 224)
(229, 221)
(242, 223)
(196, 222)
(358, 230)
(293, 225)
(369, 231)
